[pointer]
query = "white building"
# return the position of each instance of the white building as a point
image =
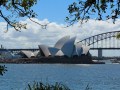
(66, 46)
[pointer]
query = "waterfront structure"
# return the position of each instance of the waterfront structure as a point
(30, 54)
(59, 44)
(8, 55)
(66, 46)
(65, 51)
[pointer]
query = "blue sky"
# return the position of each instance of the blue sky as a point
(53, 10)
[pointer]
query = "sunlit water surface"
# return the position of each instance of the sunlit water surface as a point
(75, 76)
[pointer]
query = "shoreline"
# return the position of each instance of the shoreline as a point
(51, 60)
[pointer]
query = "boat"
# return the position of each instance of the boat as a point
(115, 61)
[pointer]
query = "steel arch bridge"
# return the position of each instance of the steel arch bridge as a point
(91, 41)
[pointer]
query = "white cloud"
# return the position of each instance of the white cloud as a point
(34, 34)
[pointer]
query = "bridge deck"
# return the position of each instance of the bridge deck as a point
(104, 48)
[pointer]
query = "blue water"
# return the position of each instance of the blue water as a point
(75, 76)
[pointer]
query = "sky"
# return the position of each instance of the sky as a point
(54, 10)
(54, 13)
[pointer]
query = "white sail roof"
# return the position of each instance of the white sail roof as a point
(68, 47)
(64, 46)
(59, 44)
(36, 53)
(79, 49)
(85, 49)
(45, 50)
(74, 52)
(29, 54)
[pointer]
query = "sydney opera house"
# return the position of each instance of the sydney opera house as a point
(66, 50)
(64, 47)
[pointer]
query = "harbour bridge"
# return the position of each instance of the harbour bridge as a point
(103, 41)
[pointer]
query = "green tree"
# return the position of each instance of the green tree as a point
(2, 69)
(118, 36)
(83, 10)
(12, 10)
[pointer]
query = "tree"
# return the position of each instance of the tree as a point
(83, 10)
(12, 10)
(2, 70)
(118, 36)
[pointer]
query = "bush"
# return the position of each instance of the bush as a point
(47, 86)
(2, 69)
(42, 86)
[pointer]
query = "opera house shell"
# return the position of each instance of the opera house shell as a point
(30, 54)
(66, 46)
(66, 50)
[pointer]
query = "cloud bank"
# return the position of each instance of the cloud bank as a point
(35, 35)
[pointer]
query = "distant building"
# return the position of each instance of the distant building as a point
(8, 55)
(66, 50)
(66, 46)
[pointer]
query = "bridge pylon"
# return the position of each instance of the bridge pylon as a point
(100, 53)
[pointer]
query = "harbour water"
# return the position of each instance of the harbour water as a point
(75, 76)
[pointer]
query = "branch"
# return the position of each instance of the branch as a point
(8, 21)
(43, 26)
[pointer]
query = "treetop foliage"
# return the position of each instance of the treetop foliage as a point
(83, 10)
(12, 10)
